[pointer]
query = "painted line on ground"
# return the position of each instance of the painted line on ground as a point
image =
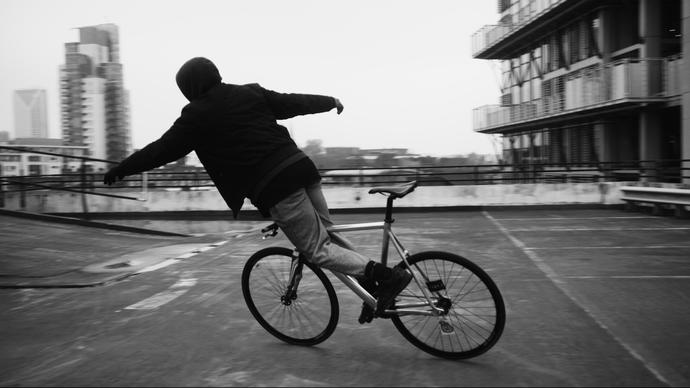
(615, 247)
(161, 298)
(642, 277)
(160, 265)
(591, 229)
(177, 289)
(179, 258)
(574, 218)
(560, 284)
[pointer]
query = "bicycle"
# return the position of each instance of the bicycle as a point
(451, 308)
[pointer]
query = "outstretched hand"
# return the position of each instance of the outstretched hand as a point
(339, 106)
(112, 176)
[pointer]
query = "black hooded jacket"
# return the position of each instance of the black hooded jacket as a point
(234, 132)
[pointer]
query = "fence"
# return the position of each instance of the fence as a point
(673, 171)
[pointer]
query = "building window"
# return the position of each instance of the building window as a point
(536, 88)
(594, 38)
(34, 169)
(565, 49)
(503, 5)
(574, 42)
(545, 52)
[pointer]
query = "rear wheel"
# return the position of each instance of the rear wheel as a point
(475, 313)
(306, 315)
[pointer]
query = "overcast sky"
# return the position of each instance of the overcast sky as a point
(403, 69)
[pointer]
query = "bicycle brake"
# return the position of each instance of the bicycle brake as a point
(270, 231)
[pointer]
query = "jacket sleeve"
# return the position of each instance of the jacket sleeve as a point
(287, 105)
(175, 143)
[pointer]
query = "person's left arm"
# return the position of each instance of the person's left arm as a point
(288, 105)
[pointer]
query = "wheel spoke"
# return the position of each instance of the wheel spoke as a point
(306, 320)
(475, 315)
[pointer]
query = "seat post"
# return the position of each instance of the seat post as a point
(389, 210)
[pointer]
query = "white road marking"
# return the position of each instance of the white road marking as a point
(631, 277)
(177, 289)
(547, 229)
(177, 259)
(572, 218)
(187, 255)
(160, 265)
(560, 284)
(616, 247)
(161, 298)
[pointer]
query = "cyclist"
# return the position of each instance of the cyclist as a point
(234, 131)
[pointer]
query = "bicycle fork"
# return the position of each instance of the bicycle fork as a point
(295, 276)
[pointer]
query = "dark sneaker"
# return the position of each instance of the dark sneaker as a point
(367, 314)
(390, 288)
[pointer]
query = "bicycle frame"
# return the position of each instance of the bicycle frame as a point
(388, 238)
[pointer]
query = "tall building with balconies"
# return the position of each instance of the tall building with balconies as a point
(95, 105)
(30, 113)
(591, 83)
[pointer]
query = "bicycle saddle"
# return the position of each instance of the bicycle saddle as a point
(395, 191)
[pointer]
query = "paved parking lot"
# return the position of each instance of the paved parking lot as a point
(593, 298)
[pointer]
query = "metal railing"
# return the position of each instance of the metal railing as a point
(167, 179)
(170, 178)
(626, 80)
(519, 14)
(81, 182)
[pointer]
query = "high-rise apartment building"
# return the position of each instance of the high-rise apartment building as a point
(591, 83)
(30, 113)
(95, 105)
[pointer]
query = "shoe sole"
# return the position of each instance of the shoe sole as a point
(380, 310)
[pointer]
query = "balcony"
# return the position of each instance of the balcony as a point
(619, 84)
(485, 42)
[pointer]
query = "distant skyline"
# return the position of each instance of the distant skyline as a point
(30, 116)
(403, 69)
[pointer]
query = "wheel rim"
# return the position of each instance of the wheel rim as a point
(304, 318)
(474, 320)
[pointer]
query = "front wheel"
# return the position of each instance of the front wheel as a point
(304, 315)
(474, 314)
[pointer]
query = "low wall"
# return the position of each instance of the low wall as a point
(338, 197)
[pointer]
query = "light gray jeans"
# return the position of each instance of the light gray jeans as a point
(303, 217)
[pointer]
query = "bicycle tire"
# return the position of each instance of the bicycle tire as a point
(477, 314)
(308, 320)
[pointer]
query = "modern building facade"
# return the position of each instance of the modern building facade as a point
(30, 113)
(95, 105)
(591, 83)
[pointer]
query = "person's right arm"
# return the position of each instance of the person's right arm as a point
(175, 143)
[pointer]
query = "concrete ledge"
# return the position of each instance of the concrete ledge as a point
(254, 215)
(339, 198)
(84, 222)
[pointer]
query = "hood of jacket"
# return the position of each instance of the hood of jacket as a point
(196, 77)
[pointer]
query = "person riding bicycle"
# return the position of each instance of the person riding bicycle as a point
(234, 131)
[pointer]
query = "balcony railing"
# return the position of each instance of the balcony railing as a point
(627, 80)
(489, 35)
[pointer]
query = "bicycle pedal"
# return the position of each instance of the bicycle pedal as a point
(367, 314)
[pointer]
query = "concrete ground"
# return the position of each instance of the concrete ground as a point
(593, 298)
